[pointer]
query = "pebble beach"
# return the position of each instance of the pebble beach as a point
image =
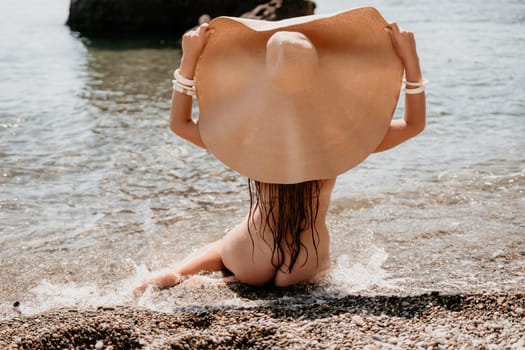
(427, 321)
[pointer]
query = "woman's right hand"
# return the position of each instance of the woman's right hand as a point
(193, 43)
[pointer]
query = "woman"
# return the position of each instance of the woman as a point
(284, 240)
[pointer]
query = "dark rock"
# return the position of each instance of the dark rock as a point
(171, 17)
(275, 10)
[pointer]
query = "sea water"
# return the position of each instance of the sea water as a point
(96, 193)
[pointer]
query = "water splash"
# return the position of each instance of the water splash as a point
(363, 271)
(46, 296)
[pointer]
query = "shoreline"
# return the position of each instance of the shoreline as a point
(427, 321)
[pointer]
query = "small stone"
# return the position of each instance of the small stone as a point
(99, 345)
(497, 326)
(441, 341)
(520, 345)
(358, 320)
(498, 254)
(519, 311)
(378, 338)
(16, 304)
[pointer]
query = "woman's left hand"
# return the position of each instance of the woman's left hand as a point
(405, 46)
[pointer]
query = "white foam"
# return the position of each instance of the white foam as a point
(47, 295)
(362, 271)
(355, 272)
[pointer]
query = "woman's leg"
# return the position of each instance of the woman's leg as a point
(209, 260)
(249, 261)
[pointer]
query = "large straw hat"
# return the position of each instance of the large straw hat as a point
(300, 99)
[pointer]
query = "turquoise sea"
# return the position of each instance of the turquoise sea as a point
(96, 193)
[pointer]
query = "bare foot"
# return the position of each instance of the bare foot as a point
(165, 280)
(138, 291)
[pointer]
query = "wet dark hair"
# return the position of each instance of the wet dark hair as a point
(286, 210)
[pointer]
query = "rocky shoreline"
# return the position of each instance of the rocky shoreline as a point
(98, 18)
(427, 321)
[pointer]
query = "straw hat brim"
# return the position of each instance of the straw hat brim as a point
(274, 137)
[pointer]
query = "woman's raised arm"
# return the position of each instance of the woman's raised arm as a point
(181, 123)
(414, 116)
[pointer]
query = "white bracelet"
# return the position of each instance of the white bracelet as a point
(182, 80)
(414, 91)
(424, 82)
(178, 83)
(183, 89)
